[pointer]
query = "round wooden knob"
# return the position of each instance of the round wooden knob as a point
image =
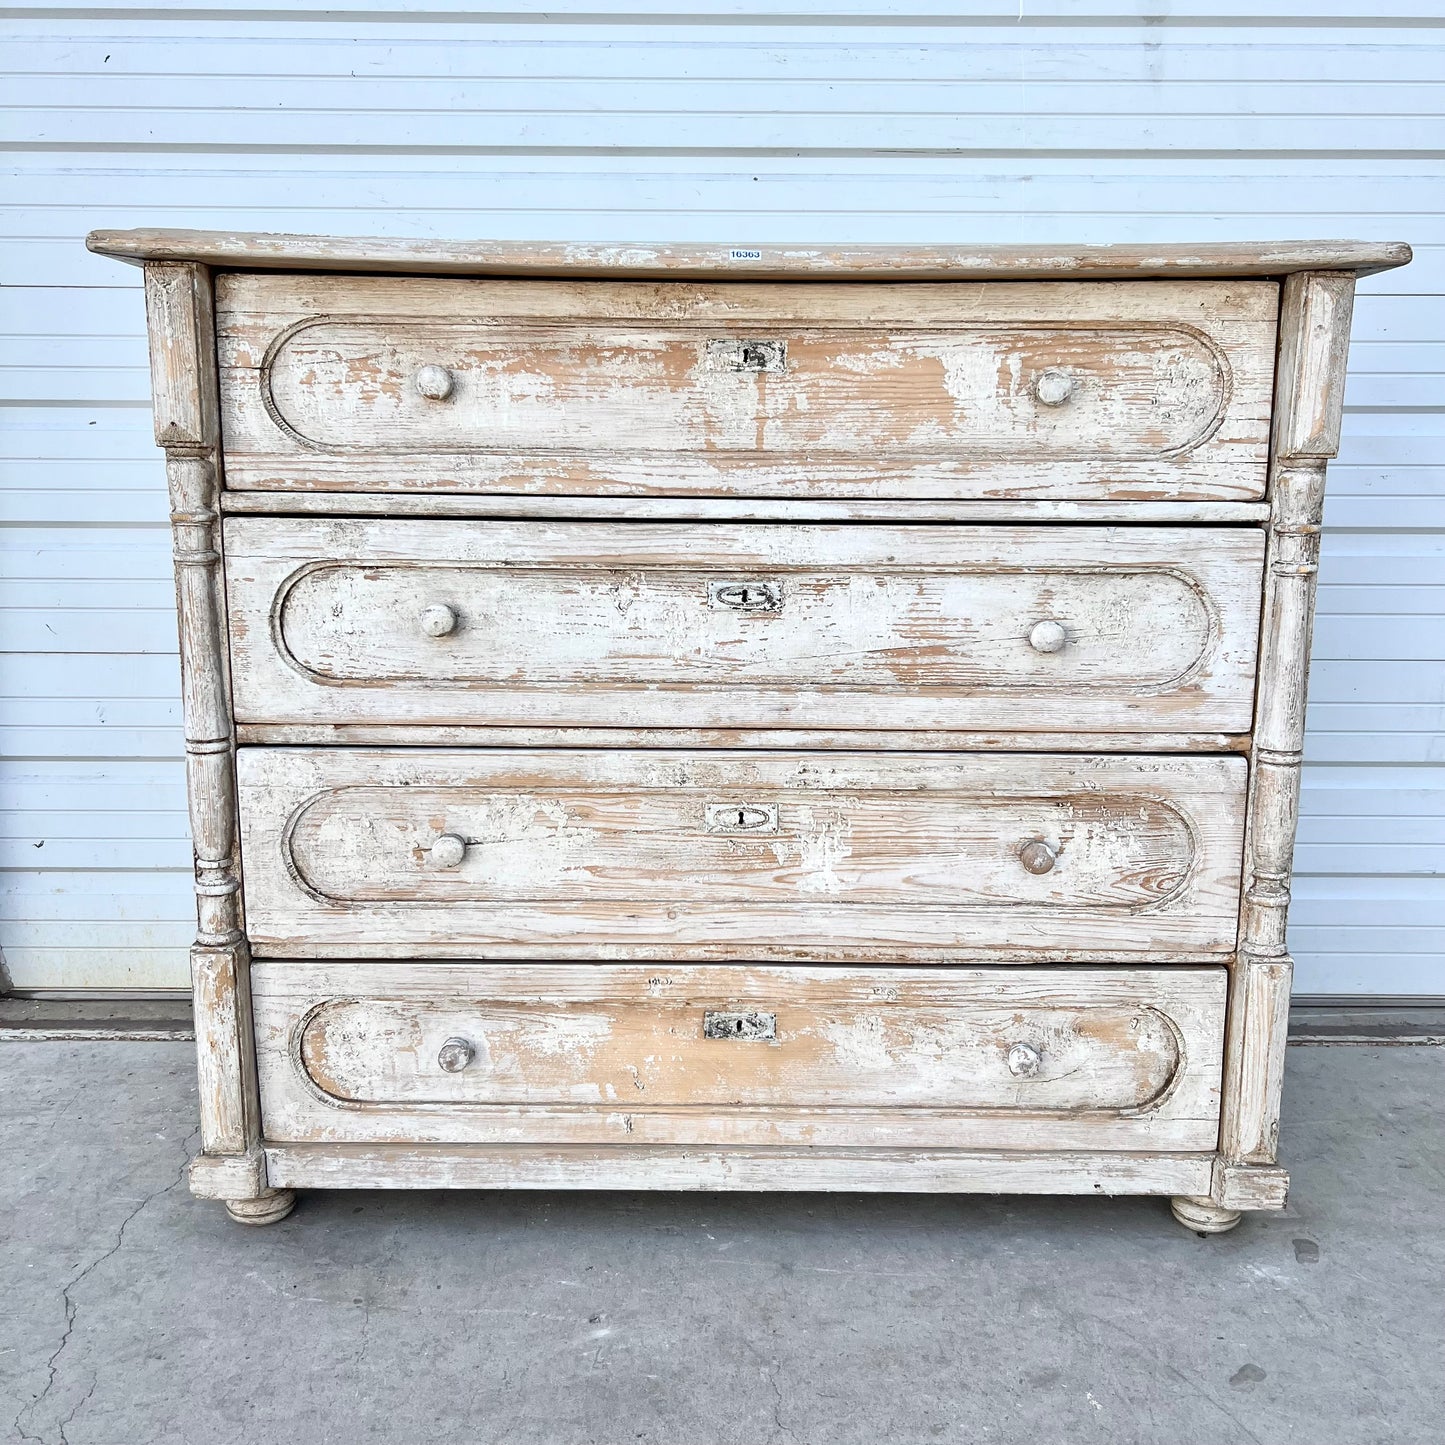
(1054, 388)
(1048, 636)
(438, 620)
(449, 850)
(1024, 1061)
(455, 1055)
(1037, 856)
(434, 382)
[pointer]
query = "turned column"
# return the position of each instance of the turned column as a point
(1309, 395)
(187, 425)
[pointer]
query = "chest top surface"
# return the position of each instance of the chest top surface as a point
(273, 250)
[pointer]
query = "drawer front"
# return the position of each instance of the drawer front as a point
(657, 853)
(651, 625)
(1003, 1058)
(1099, 389)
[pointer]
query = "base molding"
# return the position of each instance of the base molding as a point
(228, 1176)
(1249, 1186)
(900, 1171)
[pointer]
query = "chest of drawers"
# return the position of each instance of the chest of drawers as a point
(706, 719)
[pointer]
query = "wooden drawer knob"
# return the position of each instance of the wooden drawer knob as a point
(1037, 856)
(1054, 387)
(448, 850)
(1048, 636)
(1024, 1061)
(455, 1055)
(434, 382)
(439, 620)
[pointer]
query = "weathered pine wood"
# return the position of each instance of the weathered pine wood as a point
(1315, 326)
(182, 346)
(1249, 1186)
(1153, 390)
(259, 250)
(730, 509)
(1203, 1216)
(875, 739)
(875, 857)
(569, 1054)
(583, 616)
(630, 1166)
(724, 625)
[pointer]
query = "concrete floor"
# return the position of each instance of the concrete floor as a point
(131, 1314)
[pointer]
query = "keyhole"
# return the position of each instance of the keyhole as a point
(755, 356)
(742, 819)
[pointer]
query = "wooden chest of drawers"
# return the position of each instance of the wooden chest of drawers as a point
(694, 719)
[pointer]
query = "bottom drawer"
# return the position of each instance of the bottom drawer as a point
(1001, 1058)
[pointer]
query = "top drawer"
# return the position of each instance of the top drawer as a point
(1076, 390)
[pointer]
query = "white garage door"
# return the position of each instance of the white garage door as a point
(748, 122)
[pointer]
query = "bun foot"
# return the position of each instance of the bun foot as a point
(272, 1207)
(1203, 1216)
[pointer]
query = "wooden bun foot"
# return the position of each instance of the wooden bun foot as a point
(1203, 1216)
(270, 1208)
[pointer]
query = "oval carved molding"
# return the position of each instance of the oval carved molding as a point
(352, 624)
(1105, 1060)
(344, 384)
(651, 848)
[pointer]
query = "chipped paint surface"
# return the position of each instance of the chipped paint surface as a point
(867, 625)
(613, 851)
(1095, 395)
(348, 384)
(868, 390)
(566, 1053)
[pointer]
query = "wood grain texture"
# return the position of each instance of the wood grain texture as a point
(739, 579)
(860, 262)
(613, 1166)
(742, 626)
(730, 509)
(229, 1177)
(769, 739)
(1314, 339)
(813, 390)
(181, 329)
(856, 856)
(1249, 1186)
(179, 311)
(574, 1054)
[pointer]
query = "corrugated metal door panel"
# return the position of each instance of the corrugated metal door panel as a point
(1071, 120)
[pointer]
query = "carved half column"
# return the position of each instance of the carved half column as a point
(1314, 337)
(187, 426)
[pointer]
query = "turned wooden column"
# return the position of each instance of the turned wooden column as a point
(1314, 335)
(187, 426)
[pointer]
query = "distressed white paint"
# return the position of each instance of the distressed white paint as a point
(828, 124)
(871, 627)
(577, 1054)
(876, 856)
(615, 388)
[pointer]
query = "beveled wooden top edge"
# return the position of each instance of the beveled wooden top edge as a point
(262, 250)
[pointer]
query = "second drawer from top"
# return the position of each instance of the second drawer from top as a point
(1025, 628)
